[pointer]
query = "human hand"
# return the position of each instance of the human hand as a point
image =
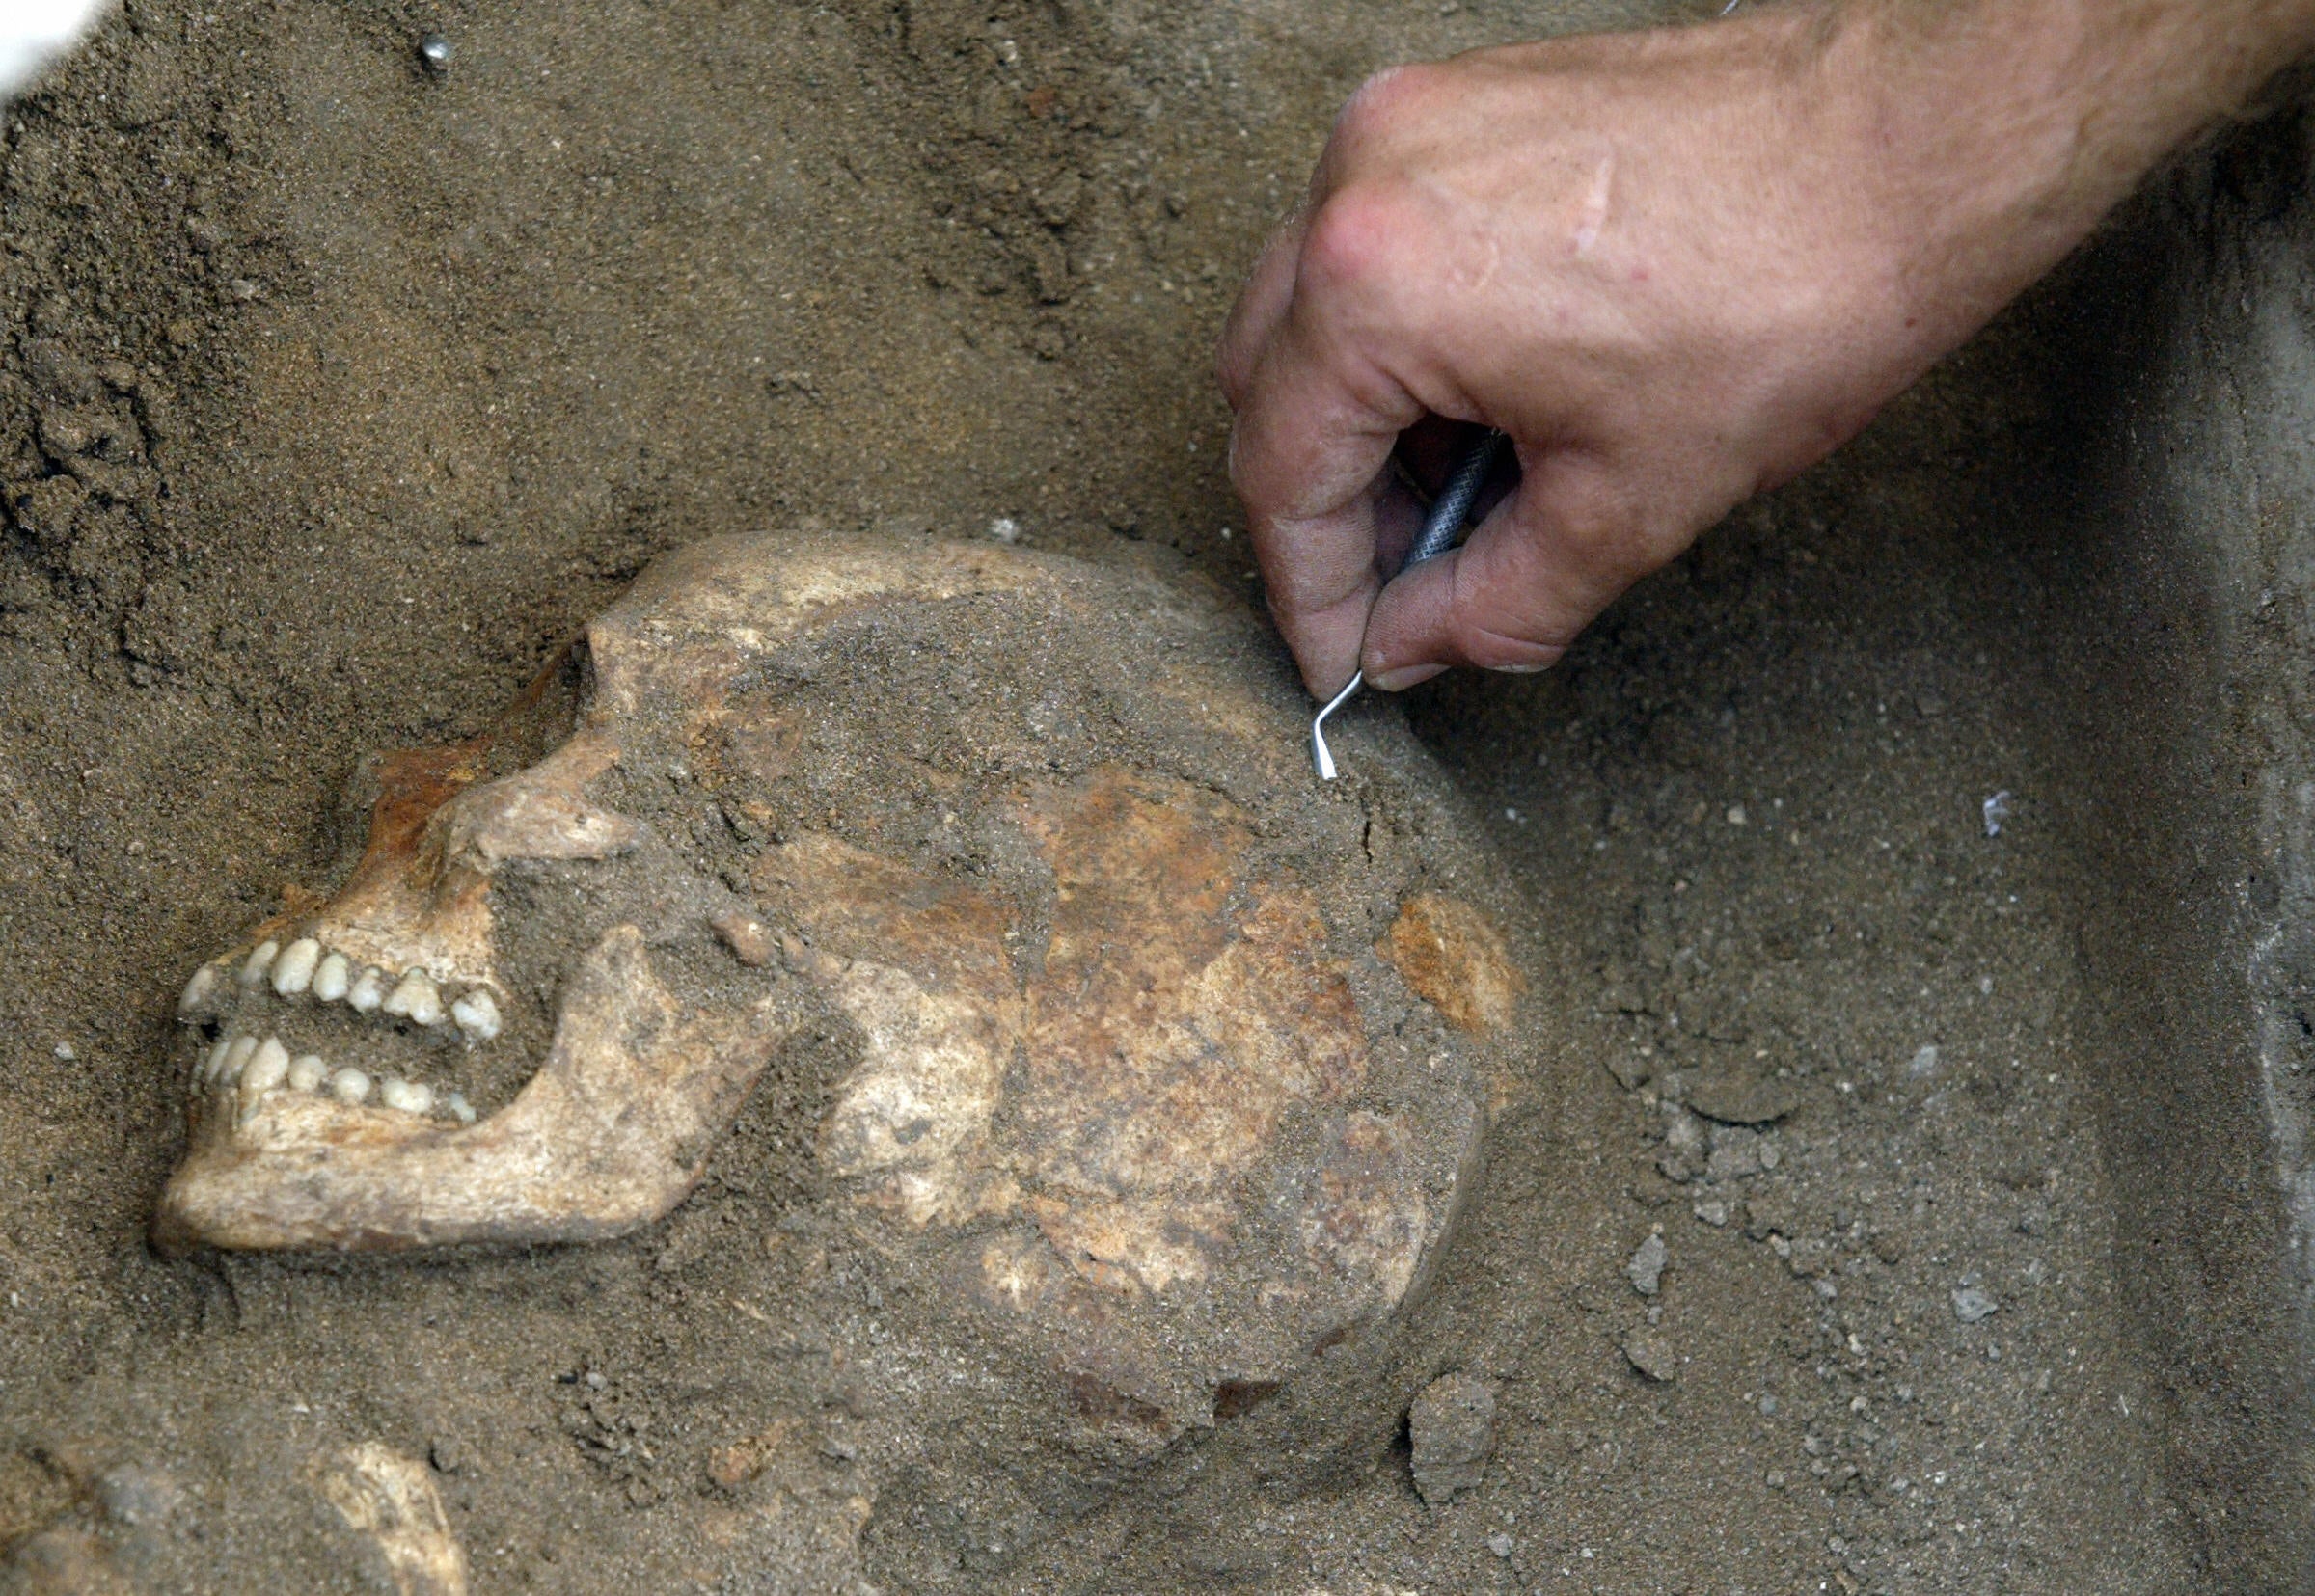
(1675, 267)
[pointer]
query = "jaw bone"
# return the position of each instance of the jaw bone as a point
(611, 1133)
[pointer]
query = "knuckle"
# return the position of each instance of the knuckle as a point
(1366, 235)
(1387, 101)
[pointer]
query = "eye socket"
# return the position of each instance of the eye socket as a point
(546, 712)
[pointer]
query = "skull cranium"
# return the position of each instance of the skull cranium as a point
(1121, 1038)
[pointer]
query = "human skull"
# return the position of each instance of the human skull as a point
(1165, 1058)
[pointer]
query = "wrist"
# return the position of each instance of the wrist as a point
(1997, 135)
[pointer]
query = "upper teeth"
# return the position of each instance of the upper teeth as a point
(416, 998)
(260, 957)
(476, 1015)
(202, 992)
(304, 966)
(369, 990)
(293, 970)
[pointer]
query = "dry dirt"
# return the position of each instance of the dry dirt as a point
(336, 393)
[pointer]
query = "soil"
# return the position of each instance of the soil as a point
(338, 390)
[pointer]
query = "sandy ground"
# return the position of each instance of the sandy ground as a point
(337, 392)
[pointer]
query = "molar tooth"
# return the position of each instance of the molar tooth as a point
(410, 1097)
(460, 1109)
(266, 1069)
(294, 971)
(478, 1015)
(199, 993)
(368, 991)
(235, 1056)
(260, 957)
(306, 1071)
(332, 976)
(349, 1085)
(415, 998)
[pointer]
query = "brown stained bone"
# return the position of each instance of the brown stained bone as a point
(390, 1499)
(611, 1132)
(1448, 953)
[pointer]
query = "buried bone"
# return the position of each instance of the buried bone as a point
(1120, 1064)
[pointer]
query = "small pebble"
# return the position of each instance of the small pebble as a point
(1971, 1304)
(1452, 1431)
(1649, 1351)
(1499, 1544)
(65, 1053)
(1647, 1266)
(436, 51)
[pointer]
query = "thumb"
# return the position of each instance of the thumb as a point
(1547, 560)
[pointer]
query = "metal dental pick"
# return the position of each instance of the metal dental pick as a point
(1442, 528)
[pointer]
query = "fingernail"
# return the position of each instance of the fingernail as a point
(1519, 670)
(1404, 677)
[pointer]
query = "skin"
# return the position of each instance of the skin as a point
(1678, 267)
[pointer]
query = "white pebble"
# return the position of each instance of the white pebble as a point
(306, 1071)
(267, 1067)
(410, 1097)
(368, 991)
(460, 1109)
(415, 997)
(260, 957)
(294, 971)
(478, 1015)
(332, 976)
(349, 1085)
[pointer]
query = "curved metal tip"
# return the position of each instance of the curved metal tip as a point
(1320, 754)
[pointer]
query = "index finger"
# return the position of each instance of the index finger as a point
(1310, 456)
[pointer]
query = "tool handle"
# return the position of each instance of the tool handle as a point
(1444, 525)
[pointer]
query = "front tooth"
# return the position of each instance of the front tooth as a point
(306, 1071)
(460, 1109)
(476, 1015)
(368, 991)
(214, 1064)
(294, 971)
(266, 1069)
(416, 998)
(261, 955)
(349, 1085)
(235, 1056)
(332, 976)
(200, 993)
(410, 1097)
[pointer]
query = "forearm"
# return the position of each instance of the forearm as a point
(2012, 127)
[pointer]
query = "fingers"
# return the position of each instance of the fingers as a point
(1548, 560)
(1261, 306)
(1310, 456)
